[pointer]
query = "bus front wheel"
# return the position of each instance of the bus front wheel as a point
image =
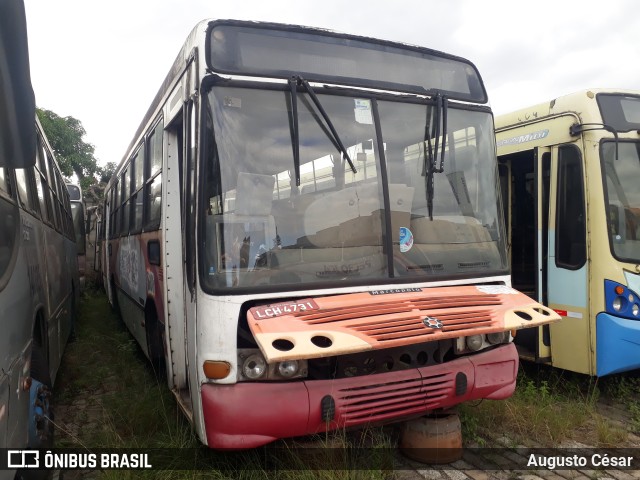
(40, 410)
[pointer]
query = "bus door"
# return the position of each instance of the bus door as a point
(567, 266)
(542, 173)
(180, 145)
(525, 188)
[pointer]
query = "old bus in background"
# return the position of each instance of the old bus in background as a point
(79, 219)
(570, 175)
(38, 270)
(310, 220)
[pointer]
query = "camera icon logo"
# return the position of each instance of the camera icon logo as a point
(23, 459)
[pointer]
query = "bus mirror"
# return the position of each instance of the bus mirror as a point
(17, 111)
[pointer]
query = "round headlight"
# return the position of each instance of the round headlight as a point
(617, 303)
(474, 342)
(635, 309)
(254, 366)
(288, 368)
(496, 337)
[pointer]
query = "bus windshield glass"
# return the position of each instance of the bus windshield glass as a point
(620, 112)
(622, 198)
(261, 228)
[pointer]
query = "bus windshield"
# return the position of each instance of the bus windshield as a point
(622, 198)
(262, 228)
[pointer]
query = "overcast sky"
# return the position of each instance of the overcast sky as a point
(102, 62)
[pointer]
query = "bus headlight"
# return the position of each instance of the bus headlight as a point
(474, 342)
(288, 368)
(617, 303)
(496, 337)
(621, 301)
(254, 366)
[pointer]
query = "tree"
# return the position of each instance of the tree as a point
(73, 154)
(107, 171)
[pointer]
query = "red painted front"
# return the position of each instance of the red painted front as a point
(248, 415)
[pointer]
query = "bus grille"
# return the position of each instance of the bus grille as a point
(325, 326)
(398, 320)
(389, 400)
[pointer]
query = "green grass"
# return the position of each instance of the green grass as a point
(550, 406)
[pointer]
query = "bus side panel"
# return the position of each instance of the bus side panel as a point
(132, 286)
(19, 299)
(56, 273)
(151, 244)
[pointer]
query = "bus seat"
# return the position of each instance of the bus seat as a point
(244, 237)
(356, 215)
(351, 210)
(442, 230)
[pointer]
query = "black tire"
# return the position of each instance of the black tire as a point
(40, 419)
(40, 374)
(155, 343)
(114, 297)
(74, 315)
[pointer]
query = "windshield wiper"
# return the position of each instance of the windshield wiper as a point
(316, 101)
(293, 119)
(433, 148)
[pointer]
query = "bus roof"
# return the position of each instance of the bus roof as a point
(582, 103)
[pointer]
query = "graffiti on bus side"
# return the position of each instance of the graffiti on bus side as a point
(129, 263)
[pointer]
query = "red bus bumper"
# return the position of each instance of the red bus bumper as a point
(248, 415)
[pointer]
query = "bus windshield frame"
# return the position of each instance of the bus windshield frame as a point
(335, 223)
(282, 51)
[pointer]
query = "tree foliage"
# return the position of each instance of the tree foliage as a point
(107, 171)
(73, 154)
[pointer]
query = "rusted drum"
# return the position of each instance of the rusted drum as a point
(432, 439)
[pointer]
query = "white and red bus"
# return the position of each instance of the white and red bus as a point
(310, 222)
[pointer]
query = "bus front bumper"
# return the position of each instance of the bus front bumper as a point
(247, 415)
(617, 344)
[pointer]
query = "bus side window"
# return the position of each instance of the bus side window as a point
(571, 251)
(22, 188)
(137, 183)
(8, 222)
(4, 182)
(153, 179)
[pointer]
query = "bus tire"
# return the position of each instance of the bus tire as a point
(74, 314)
(114, 298)
(40, 412)
(40, 409)
(155, 342)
